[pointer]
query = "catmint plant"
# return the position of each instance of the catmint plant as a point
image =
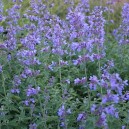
(62, 72)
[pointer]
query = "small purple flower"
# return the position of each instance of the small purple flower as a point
(81, 127)
(1, 29)
(104, 83)
(9, 57)
(32, 91)
(68, 111)
(110, 110)
(81, 116)
(93, 107)
(33, 126)
(3, 46)
(74, 46)
(76, 81)
(110, 97)
(46, 49)
(83, 80)
(93, 82)
(32, 100)
(62, 124)
(17, 80)
(51, 81)
(15, 90)
(52, 65)
(126, 96)
(29, 102)
(67, 81)
(26, 102)
(28, 72)
(62, 63)
(75, 62)
(102, 121)
(123, 127)
(61, 111)
(1, 7)
(58, 51)
(1, 68)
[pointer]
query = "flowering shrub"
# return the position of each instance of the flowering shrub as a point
(57, 73)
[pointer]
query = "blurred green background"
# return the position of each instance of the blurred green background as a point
(60, 9)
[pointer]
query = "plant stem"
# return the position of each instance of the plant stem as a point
(99, 66)
(3, 83)
(65, 122)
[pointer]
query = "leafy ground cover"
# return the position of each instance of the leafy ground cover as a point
(64, 65)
